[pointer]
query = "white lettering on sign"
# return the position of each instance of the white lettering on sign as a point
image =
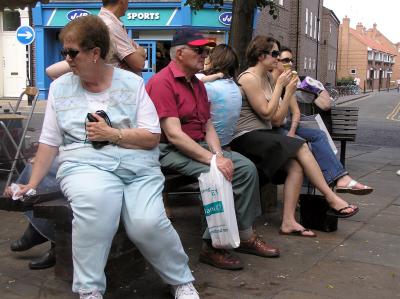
(143, 16)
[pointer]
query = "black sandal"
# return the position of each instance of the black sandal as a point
(340, 214)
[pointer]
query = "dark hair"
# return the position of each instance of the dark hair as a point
(285, 49)
(89, 32)
(224, 59)
(108, 2)
(258, 46)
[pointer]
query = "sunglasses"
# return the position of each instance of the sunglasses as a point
(274, 54)
(200, 50)
(286, 60)
(70, 52)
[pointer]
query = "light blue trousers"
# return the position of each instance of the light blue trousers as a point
(113, 182)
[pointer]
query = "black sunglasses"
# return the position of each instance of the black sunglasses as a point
(274, 54)
(286, 60)
(70, 52)
(200, 50)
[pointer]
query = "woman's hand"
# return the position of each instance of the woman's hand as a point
(284, 78)
(99, 131)
(292, 86)
(225, 165)
(23, 190)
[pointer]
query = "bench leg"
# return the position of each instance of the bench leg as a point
(269, 198)
(168, 210)
(343, 152)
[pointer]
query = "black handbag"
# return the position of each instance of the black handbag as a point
(313, 215)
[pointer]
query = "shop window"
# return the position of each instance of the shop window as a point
(11, 20)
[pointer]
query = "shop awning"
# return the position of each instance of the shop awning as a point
(12, 4)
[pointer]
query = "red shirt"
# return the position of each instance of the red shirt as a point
(173, 96)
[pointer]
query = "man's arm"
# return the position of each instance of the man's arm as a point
(173, 130)
(136, 60)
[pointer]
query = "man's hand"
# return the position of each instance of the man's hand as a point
(99, 131)
(225, 165)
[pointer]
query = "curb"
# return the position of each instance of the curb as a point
(352, 99)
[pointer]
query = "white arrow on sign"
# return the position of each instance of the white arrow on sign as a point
(27, 35)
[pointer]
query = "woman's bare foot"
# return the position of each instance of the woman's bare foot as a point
(295, 229)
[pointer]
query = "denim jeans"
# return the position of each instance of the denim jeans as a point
(49, 184)
(330, 166)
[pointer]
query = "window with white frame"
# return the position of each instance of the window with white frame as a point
(313, 64)
(307, 22)
(311, 23)
(315, 27)
(305, 63)
(319, 30)
(353, 71)
(310, 63)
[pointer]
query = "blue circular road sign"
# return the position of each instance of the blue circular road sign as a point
(25, 35)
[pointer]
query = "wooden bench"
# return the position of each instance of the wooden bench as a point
(344, 127)
(340, 121)
(123, 254)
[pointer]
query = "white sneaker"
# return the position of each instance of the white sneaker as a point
(90, 294)
(185, 291)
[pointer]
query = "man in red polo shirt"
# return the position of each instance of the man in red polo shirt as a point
(190, 141)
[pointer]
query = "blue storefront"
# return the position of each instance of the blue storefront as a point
(151, 24)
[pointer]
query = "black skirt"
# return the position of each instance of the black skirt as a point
(269, 151)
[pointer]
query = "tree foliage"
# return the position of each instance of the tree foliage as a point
(242, 20)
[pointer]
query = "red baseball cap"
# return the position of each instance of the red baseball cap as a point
(190, 37)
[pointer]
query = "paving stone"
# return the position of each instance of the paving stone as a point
(370, 247)
(348, 279)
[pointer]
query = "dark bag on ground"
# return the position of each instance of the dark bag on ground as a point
(313, 215)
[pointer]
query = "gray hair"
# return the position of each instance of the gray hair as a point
(172, 51)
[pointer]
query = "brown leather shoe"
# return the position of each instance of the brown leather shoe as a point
(220, 258)
(258, 247)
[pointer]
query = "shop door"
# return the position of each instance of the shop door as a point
(14, 63)
(150, 65)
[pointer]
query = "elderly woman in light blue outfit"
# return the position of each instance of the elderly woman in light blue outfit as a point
(108, 167)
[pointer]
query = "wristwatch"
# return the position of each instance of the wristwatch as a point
(219, 153)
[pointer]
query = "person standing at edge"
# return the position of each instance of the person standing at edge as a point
(189, 141)
(124, 52)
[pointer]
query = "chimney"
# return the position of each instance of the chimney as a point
(360, 28)
(346, 22)
(374, 31)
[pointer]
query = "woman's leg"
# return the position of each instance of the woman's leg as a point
(330, 166)
(314, 174)
(148, 227)
(291, 192)
(96, 206)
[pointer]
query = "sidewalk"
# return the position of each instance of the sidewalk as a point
(360, 260)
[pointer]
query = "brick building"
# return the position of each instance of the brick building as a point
(310, 30)
(328, 45)
(367, 55)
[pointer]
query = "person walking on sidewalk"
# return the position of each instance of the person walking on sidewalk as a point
(104, 126)
(190, 141)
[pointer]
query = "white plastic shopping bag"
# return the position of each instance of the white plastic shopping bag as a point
(219, 208)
